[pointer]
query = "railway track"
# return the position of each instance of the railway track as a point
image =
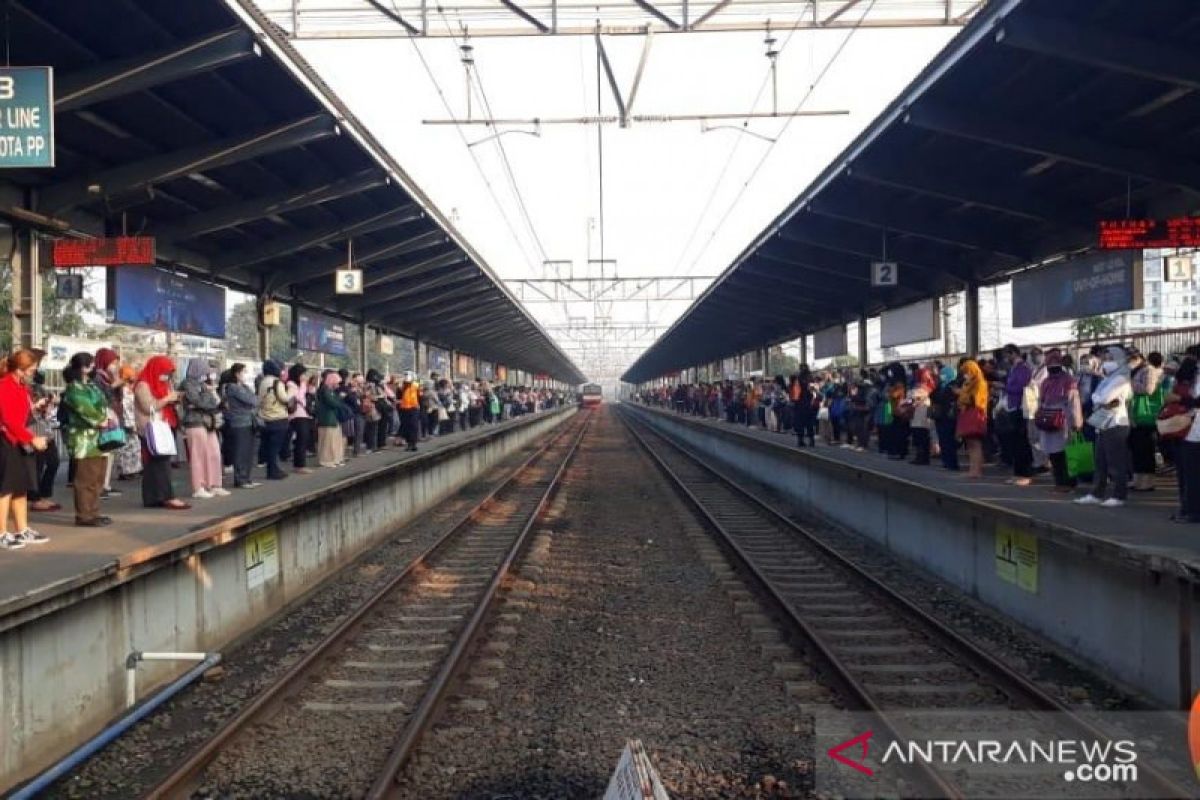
(879, 651)
(343, 720)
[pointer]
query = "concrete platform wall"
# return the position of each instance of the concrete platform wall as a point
(62, 675)
(1112, 614)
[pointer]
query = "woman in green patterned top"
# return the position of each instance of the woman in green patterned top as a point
(88, 413)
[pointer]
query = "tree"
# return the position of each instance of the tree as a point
(1094, 327)
(241, 333)
(64, 317)
(844, 361)
(780, 363)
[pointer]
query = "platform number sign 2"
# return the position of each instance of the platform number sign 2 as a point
(348, 281)
(885, 273)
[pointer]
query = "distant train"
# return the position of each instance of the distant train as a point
(591, 395)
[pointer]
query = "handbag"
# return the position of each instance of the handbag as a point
(1174, 421)
(1051, 420)
(971, 423)
(112, 439)
(1081, 456)
(160, 439)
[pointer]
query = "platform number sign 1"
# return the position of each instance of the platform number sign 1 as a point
(885, 273)
(26, 117)
(1180, 268)
(348, 281)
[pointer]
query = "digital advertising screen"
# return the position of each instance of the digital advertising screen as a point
(154, 298)
(439, 361)
(1104, 282)
(317, 333)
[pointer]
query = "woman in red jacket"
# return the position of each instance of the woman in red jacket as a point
(18, 445)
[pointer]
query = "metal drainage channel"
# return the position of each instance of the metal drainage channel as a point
(824, 598)
(477, 543)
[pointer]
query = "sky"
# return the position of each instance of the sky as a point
(678, 201)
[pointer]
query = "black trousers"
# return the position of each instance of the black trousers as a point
(273, 435)
(241, 450)
(1188, 468)
(301, 432)
(1141, 449)
(46, 462)
(1022, 451)
(156, 480)
(381, 432)
(410, 422)
(1058, 466)
(920, 440)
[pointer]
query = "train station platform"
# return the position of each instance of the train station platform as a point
(73, 609)
(1113, 588)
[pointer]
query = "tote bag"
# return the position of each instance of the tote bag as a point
(971, 423)
(1081, 457)
(160, 439)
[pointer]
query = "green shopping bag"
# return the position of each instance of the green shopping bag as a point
(1146, 407)
(888, 416)
(1081, 457)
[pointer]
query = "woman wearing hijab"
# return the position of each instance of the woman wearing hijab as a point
(273, 409)
(972, 408)
(107, 378)
(331, 442)
(1146, 378)
(924, 385)
(201, 419)
(89, 412)
(241, 406)
(1186, 455)
(1111, 422)
(1058, 413)
(129, 457)
(154, 397)
(943, 408)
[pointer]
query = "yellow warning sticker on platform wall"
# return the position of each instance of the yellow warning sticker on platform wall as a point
(262, 557)
(1017, 558)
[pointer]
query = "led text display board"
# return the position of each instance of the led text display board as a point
(1139, 234)
(112, 251)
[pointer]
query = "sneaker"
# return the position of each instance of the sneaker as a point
(1112, 502)
(1088, 500)
(30, 536)
(227, 470)
(202, 494)
(11, 541)
(110, 493)
(219, 491)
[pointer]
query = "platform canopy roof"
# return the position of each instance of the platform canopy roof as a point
(1038, 119)
(196, 122)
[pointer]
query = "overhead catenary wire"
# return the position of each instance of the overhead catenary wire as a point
(787, 122)
(474, 158)
(473, 73)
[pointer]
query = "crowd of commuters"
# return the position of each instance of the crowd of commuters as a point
(141, 421)
(1107, 421)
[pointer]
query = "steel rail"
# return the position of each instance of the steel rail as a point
(180, 779)
(1012, 683)
(421, 718)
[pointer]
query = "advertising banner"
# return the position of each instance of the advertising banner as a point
(439, 361)
(317, 333)
(1097, 283)
(830, 342)
(165, 301)
(919, 322)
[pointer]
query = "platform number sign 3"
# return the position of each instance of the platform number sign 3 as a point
(348, 281)
(885, 273)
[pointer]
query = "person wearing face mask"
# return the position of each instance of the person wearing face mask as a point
(1058, 413)
(89, 412)
(201, 420)
(107, 378)
(1018, 378)
(18, 444)
(1111, 421)
(241, 404)
(1037, 364)
(154, 397)
(1146, 378)
(409, 404)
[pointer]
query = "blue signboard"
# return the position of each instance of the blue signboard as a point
(154, 298)
(1104, 282)
(26, 117)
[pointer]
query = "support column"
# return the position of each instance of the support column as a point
(417, 356)
(971, 316)
(264, 331)
(450, 369)
(862, 340)
(26, 290)
(766, 352)
(804, 349)
(363, 349)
